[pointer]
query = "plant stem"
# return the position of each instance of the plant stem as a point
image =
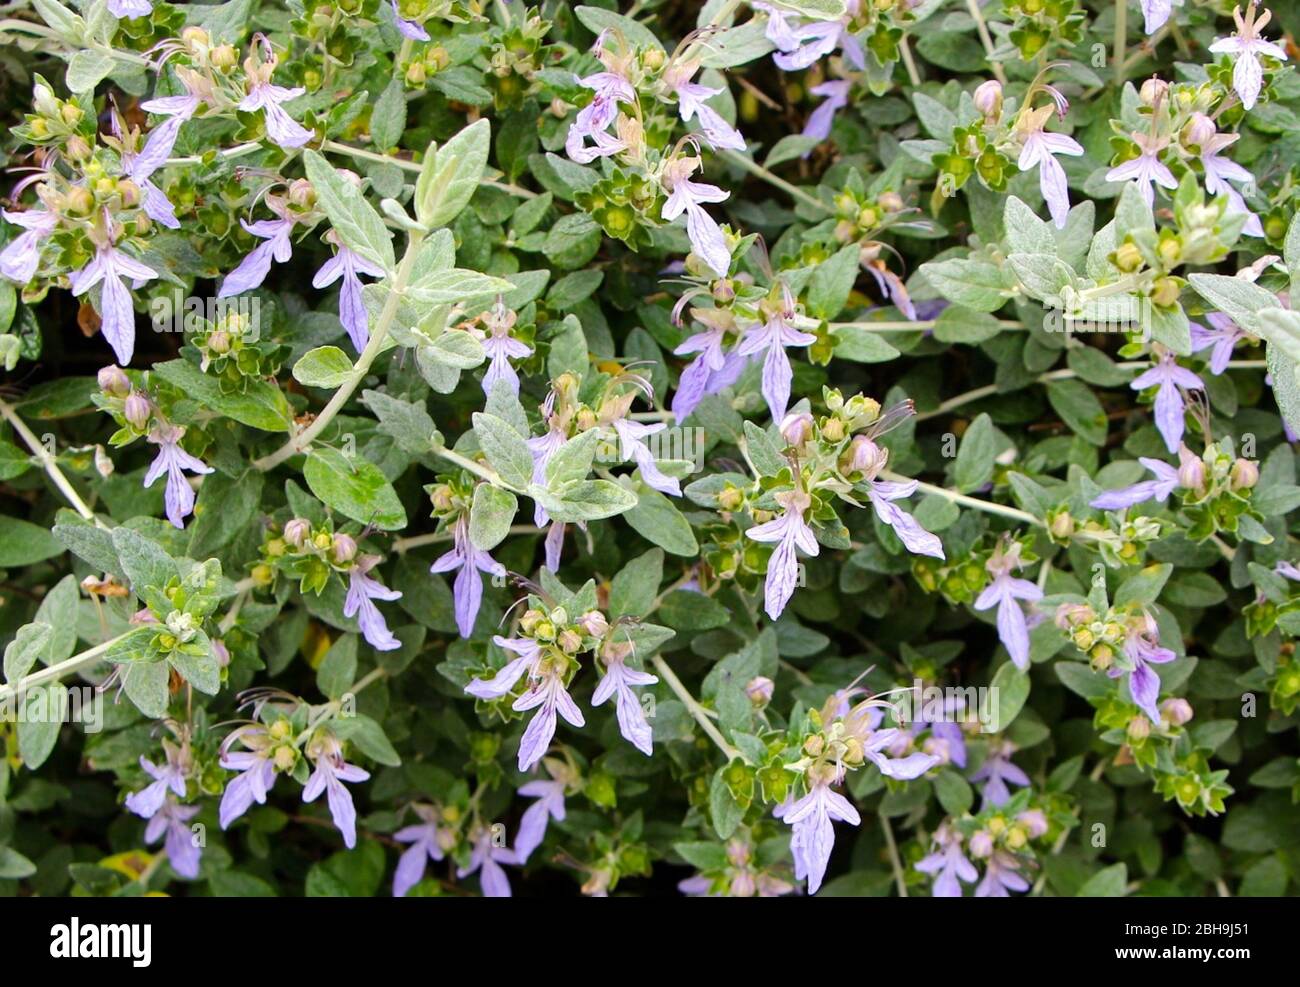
(403, 545)
(895, 861)
(700, 714)
(903, 326)
(50, 464)
(754, 168)
(909, 62)
(378, 337)
(987, 506)
(55, 672)
(986, 40)
(1121, 40)
(478, 469)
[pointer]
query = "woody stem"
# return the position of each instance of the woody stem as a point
(698, 712)
(49, 463)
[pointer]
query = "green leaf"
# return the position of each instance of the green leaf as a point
(1011, 687)
(975, 458)
(954, 792)
(14, 866)
(505, 449)
(1143, 587)
(260, 405)
(978, 285)
(451, 175)
(597, 20)
(832, 281)
(145, 684)
(490, 516)
(1110, 882)
(388, 117)
(1079, 408)
(634, 589)
(29, 643)
(325, 366)
(368, 737)
(23, 543)
(143, 560)
(201, 670)
(338, 669)
(763, 450)
(87, 69)
(406, 422)
(355, 220)
(355, 488)
(588, 500)
(657, 519)
(456, 285)
(572, 461)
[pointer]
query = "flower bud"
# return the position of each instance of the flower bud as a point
(103, 464)
(77, 148)
(1165, 292)
(1128, 258)
(593, 623)
(1153, 91)
(80, 201)
(1034, 821)
(195, 36)
(814, 745)
(1191, 473)
(136, 410)
(1061, 526)
(113, 381)
(797, 428)
(296, 532)
(1243, 475)
(1200, 130)
(833, 430)
(224, 58)
(865, 456)
(345, 548)
(1176, 712)
(219, 342)
(981, 844)
(570, 641)
(1139, 728)
(759, 690)
(731, 498)
(988, 98)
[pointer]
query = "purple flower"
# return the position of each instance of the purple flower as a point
(593, 120)
(813, 835)
(1142, 650)
(1219, 171)
(1039, 148)
(130, 8)
(915, 539)
(631, 441)
(1146, 169)
(363, 590)
(1170, 380)
(1005, 592)
(1155, 13)
(501, 348)
(549, 794)
(1001, 875)
(691, 96)
(1220, 339)
(1247, 45)
(252, 270)
(789, 531)
(256, 768)
(504, 680)
(109, 266)
(547, 694)
(139, 166)
(554, 545)
(771, 338)
(347, 265)
(182, 107)
(1287, 569)
(468, 587)
(706, 236)
(710, 372)
(415, 32)
(426, 839)
(836, 97)
(996, 771)
(892, 285)
(178, 496)
(1160, 488)
(169, 777)
(20, 257)
(618, 681)
(265, 96)
(887, 749)
(802, 43)
(331, 771)
(183, 850)
(487, 858)
(947, 864)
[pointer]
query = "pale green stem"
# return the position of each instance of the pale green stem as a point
(754, 168)
(986, 40)
(895, 861)
(49, 463)
(1121, 40)
(698, 712)
(378, 337)
(987, 506)
(57, 671)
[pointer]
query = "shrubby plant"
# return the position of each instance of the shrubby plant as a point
(836, 446)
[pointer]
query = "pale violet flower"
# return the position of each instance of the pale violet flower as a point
(109, 267)
(1156, 12)
(1001, 876)
(328, 777)
(22, 255)
(256, 767)
(171, 823)
(501, 348)
(1164, 484)
(593, 120)
(549, 804)
(1039, 149)
(172, 460)
(266, 96)
(1170, 381)
(130, 8)
(996, 771)
(1220, 339)
(470, 562)
(168, 777)
(547, 694)
(363, 590)
(770, 339)
(348, 265)
(412, 30)
(691, 96)
(618, 682)
(711, 371)
(252, 270)
(813, 837)
(1219, 171)
(790, 532)
(801, 43)
(706, 236)
(1247, 45)
(1006, 592)
(139, 167)
(1146, 169)
(631, 440)
(486, 858)
(1141, 650)
(947, 864)
(835, 96)
(426, 839)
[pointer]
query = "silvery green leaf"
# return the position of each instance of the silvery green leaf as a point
(490, 516)
(505, 449)
(325, 366)
(451, 175)
(354, 219)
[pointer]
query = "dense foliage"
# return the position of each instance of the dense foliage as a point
(756, 448)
